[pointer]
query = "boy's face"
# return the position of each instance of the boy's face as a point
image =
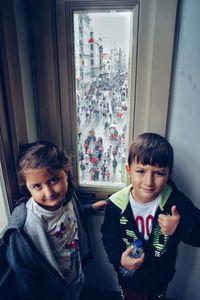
(47, 188)
(148, 181)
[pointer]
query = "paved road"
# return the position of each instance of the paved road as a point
(97, 123)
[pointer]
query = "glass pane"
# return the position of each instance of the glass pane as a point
(3, 204)
(102, 43)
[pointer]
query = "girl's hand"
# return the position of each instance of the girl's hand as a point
(169, 223)
(101, 204)
(131, 263)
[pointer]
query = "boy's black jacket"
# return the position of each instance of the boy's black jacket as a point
(119, 230)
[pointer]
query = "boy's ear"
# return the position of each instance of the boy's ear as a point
(127, 168)
(170, 172)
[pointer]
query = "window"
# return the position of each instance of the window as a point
(4, 210)
(102, 95)
(149, 69)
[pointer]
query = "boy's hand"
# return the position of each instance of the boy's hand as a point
(131, 263)
(169, 223)
(99, 205)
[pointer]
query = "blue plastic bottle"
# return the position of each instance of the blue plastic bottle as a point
(136, 253)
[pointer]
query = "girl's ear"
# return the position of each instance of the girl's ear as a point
(66, 170)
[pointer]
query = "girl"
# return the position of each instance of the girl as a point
(47, 238)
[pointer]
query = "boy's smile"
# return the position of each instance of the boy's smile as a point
(48, 188)
(148, 181)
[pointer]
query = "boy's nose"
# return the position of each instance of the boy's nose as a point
(148, 179)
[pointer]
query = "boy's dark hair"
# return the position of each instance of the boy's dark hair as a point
(151, 149)
(43, 154)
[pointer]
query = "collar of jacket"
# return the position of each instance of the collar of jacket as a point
(121, 198)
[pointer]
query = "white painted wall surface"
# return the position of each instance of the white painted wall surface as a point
(184, 135)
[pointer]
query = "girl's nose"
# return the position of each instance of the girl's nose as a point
(48, 192)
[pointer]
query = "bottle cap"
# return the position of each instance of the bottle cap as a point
(138, 243)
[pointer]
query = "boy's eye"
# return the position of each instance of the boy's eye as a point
(160, 173)
(140, 171)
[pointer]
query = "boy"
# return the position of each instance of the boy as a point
(153, 210)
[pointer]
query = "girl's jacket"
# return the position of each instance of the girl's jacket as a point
(36, 273)
(119, 230)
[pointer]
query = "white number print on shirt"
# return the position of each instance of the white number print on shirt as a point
(144, 215)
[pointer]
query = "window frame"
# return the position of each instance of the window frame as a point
(6, 156)
(13, 125)
(153, 63)
(9, 173)
(14, 129)
(65, 10)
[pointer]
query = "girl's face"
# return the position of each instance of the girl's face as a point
(148, 181)
(48, 188)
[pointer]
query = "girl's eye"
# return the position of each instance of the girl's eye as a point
(54, 180)
(37, 187)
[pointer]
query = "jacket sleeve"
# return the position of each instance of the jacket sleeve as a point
(88, 210)
(192, 235)
(25, 267)
(189, 222)
(111, 234)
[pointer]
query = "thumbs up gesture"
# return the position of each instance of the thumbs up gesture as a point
(169, 223)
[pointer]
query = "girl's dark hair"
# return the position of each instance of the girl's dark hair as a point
(151, 149)
(43, 154)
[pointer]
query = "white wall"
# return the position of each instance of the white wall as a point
(184, 135)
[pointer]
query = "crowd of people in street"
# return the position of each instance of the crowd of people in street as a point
(102, 130)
